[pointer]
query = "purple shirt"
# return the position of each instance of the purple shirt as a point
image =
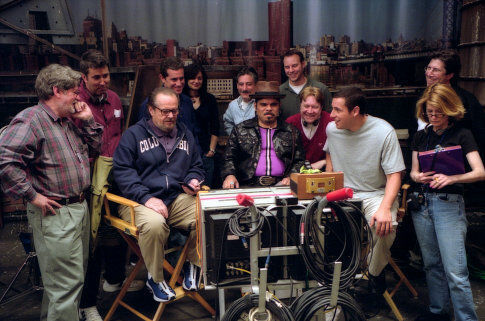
(268, 163)
(167, 139)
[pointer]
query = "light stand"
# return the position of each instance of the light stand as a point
(34, 272)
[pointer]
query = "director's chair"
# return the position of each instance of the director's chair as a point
(129, 232)
(402, 278)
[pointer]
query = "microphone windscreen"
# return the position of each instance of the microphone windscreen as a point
(340, 194)
(244, 200)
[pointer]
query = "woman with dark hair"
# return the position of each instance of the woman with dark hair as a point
(207, 115)
(438, 209)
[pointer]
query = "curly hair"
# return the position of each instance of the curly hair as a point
(55, 75)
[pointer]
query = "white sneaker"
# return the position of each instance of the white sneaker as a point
(136, 285)
(89, 314)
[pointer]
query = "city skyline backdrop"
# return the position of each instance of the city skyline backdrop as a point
(211, 21)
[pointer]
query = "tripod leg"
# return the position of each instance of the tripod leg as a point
(29, 257)
(34, 272)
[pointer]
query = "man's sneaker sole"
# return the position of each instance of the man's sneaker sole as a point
(194, 277)
(156, 298)
(190, 289)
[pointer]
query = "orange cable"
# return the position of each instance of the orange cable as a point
(197, 213)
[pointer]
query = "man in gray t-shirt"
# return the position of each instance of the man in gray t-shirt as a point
(367, 151)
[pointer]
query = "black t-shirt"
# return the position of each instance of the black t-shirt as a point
(427, 139)
(207, 116)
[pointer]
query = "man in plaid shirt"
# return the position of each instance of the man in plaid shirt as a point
(44, 160)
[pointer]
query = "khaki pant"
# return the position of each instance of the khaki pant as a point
(99, 187)
(62, 245)
(154, 230)
(381, 249)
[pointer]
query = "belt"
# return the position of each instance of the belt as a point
(70, 200)
(264, 180)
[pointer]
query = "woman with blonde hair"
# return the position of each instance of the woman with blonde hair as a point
(438, 209)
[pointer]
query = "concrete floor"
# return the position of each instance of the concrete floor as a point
(28, 307)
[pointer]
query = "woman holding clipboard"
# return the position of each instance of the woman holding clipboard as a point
(438, 211)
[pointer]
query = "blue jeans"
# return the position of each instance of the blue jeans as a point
(441, 227)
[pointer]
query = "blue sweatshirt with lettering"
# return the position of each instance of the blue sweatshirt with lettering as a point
(142, 168)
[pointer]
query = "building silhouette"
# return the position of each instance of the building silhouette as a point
(280, 25)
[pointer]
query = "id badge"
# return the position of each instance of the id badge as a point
(117, 113)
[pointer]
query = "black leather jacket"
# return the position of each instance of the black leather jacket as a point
(244, 147)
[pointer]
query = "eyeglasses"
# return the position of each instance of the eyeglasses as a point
(166, 112)
(432, 70)
(437, 115)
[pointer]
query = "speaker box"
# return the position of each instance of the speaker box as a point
(226, 251)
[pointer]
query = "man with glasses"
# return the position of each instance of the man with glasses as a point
(44, 161)
(157, 165)
(444, 67)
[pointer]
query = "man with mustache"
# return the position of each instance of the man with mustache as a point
(263, 150)
(294, 65)
(44, 160)
(241, 108)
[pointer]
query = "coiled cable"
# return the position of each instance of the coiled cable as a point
(238, 227)
(278, 311)
(348, 235)
(310, 302)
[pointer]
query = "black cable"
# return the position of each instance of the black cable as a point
(240, 223)
(318, 261)
(286, 230)
(242, 305)
(366, 231)
(223, 238)
(310, 302)
(221, 250)
(238, 228)
(266, 265)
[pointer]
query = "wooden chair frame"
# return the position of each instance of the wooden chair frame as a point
(129, 232)
(403, 279)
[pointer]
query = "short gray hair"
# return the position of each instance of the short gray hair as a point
(161, 91)
(55, 75)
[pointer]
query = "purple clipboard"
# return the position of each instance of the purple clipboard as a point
(448, 160)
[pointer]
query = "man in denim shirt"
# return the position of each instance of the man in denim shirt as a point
(241, 108)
